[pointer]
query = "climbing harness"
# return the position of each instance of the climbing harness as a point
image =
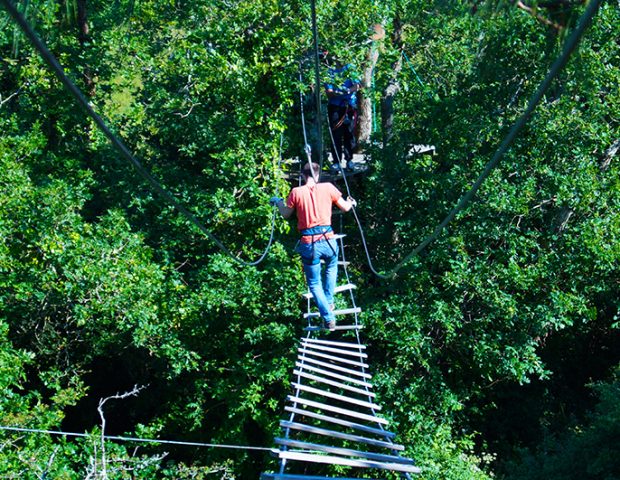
(345, 116)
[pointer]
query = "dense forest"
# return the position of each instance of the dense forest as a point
(496, 351)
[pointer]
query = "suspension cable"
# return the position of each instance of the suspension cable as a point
(134, 439)
(357, 220)
(75, 92)
(317, 81)
(307, 148)
(569, 46)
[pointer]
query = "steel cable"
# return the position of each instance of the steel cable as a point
(134, 439)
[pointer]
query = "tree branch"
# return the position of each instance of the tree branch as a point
(537, 16)
(185, 115)
(610, 153)
(2, 102)
(134, 391)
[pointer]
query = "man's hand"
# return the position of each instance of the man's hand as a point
(352, 201)
(274, 201)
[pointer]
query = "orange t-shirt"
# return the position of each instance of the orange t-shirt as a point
(313, 204)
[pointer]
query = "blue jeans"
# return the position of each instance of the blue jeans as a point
(321, 288)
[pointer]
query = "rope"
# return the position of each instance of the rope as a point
(53, 63)
(307, 148)
(317, 82)
(556, 68)
(136, 439)
(357, 220)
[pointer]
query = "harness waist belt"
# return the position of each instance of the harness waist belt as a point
(318, 230)
(316, 234)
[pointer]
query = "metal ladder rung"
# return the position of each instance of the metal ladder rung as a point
(344, 311)
(334, 384)
(288, 476)
(334, 367)
(310, 368)
(335, 396)
(341, 263)
(335, 344)
(330, 460)
(380, 457)
(344, 436)
(346, 361)
(338, 289)
(338, 327)
(342, 411)
(334, 350)
(340, 421)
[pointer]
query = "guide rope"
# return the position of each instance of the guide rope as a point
(317, 82)
(307, 148)
(135, 439)
(569, 46)
(75, 92)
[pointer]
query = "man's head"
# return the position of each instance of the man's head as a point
(311, 170)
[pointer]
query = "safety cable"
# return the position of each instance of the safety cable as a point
(301, 106)
(569, 46)
(307, 148)
(135, 439)
(53, 63)
(357, 220)
(317, 81)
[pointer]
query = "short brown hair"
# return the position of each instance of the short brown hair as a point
(311, 169)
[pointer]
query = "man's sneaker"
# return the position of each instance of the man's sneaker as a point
(331, 326)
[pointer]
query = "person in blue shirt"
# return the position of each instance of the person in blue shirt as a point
(341, 92)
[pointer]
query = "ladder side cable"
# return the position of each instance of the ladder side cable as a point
(133, 439)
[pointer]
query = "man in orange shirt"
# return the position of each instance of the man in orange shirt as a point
(313, 204)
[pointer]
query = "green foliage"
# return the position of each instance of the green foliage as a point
(103, 286)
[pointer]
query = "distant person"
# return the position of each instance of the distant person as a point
(312, 202)
(341, 92)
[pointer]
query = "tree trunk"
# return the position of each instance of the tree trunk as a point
(387, 101)
(365, 117)
(365, 124)
(84, 38)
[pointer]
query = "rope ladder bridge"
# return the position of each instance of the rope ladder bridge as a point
(332, 412)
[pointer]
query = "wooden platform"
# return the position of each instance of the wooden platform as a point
(294, 166)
